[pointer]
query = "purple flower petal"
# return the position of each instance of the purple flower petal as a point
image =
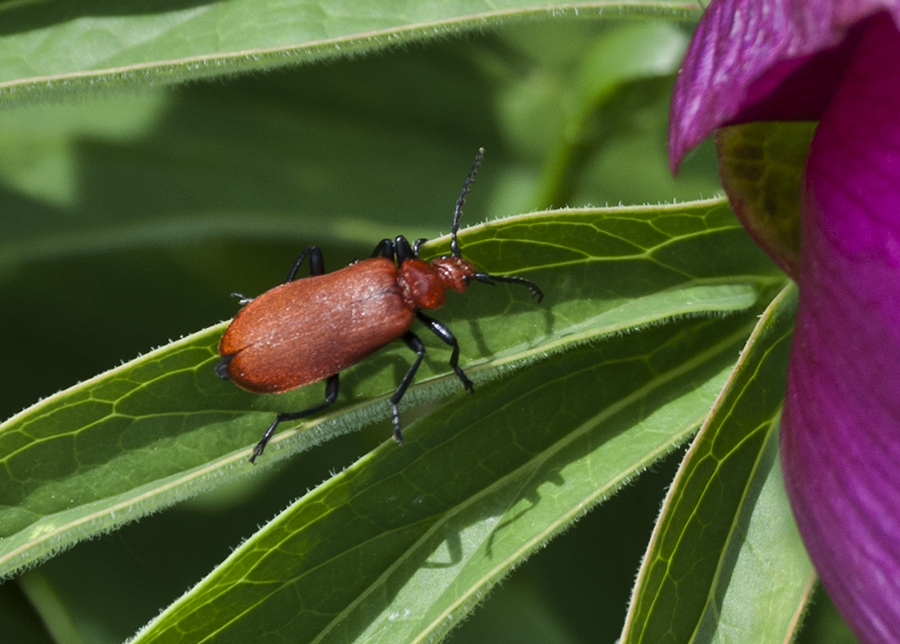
(841, 425)
(836, 61)
(764, 60)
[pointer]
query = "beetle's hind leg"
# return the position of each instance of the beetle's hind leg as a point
(222, 366)
(332, 386)
(449, 339)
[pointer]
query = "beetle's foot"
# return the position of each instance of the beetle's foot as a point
(398, 433)
(261, 445)
(242, 299)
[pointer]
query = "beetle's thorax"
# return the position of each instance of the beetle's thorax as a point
(423, 285)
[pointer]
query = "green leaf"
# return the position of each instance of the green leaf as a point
(165, 41)
(726, 562)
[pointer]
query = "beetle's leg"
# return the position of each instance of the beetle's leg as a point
(332, 386)
(385, 248)
(316, 263)
(222, 366)
(415, 343)
(511, 279)
(417, 244)
(448, 338)
(403, 249)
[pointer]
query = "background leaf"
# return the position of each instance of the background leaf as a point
(93, 45)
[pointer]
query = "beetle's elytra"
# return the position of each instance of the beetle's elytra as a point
(311, 329)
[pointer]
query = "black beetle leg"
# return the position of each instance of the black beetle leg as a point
(222, 366)
(449, 339)
(417, 244)
(385, 248)
(332, 386)
(415, 343)
(316, 263)
(403, 249)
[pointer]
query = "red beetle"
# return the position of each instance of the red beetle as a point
(313, 328)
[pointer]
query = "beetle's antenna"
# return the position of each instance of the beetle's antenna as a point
(487, 278)
(457, 213)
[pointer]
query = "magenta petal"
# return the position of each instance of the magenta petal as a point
(764, 60)
(841, 425)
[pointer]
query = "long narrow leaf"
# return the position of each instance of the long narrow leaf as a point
(121, 47)
(726, 563)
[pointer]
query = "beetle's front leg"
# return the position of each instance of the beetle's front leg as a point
(448, 338)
